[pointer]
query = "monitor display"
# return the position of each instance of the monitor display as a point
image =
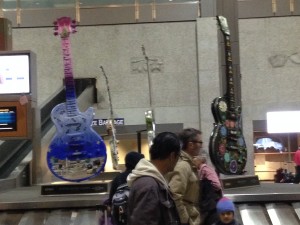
(15, 73)
(8, 119)
(15, 120)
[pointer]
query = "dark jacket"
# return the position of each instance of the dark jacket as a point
(234, 222)
(208, 202)
(150, 203)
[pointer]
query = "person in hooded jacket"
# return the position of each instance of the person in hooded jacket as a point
(150, 200)
(131, 159)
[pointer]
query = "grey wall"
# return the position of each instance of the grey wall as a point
(175, 87)
(269, 86)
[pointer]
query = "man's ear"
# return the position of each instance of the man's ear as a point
(189, 145)
(172, 156)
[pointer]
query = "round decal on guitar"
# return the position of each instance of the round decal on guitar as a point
(223, 131)
(222, 106)
(241, 142)
(222, 149)
(233, 166)
(227, 157)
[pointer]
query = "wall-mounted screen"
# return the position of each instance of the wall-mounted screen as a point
(8, 118)
(15, 72)
(15, 120)
(283, 122)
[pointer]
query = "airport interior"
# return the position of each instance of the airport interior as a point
(130, 69)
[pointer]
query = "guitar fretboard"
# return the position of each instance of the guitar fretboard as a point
(229, 74)
(71, 103)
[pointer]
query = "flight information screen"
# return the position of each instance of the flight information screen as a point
(8, 119)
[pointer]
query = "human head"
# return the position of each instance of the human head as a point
(199, 160)
(166, 149)
(191, 140)
(203, 158)
(225, 209)
(131, 159)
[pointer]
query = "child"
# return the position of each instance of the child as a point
(225, 209)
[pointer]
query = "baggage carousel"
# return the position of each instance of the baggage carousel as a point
(26, 206)
(267, 203)
(263, 204)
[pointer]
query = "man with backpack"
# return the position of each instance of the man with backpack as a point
(150, 199)
(119, 191)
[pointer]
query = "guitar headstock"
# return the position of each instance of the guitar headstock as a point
(222, 21)
(64, 26)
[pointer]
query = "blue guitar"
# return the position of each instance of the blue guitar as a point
(76, 152)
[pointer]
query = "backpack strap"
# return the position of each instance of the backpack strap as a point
(125, 185)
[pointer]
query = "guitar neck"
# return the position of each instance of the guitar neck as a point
(71, 103)
(229, 73)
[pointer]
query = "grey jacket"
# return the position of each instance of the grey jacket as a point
(150, 201)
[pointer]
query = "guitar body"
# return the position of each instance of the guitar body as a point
(113, 143)
(76, 152)
(150, 126)
(227, 147)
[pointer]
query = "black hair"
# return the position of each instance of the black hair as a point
(187, 135)
(163, 145)
(132, 158)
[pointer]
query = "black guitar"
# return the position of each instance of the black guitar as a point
(227, 148)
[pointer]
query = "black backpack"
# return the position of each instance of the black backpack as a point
(119, 204)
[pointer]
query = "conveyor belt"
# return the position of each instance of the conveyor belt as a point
(271, 213)
(26, 206)
(266, 204)
(51, 217)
